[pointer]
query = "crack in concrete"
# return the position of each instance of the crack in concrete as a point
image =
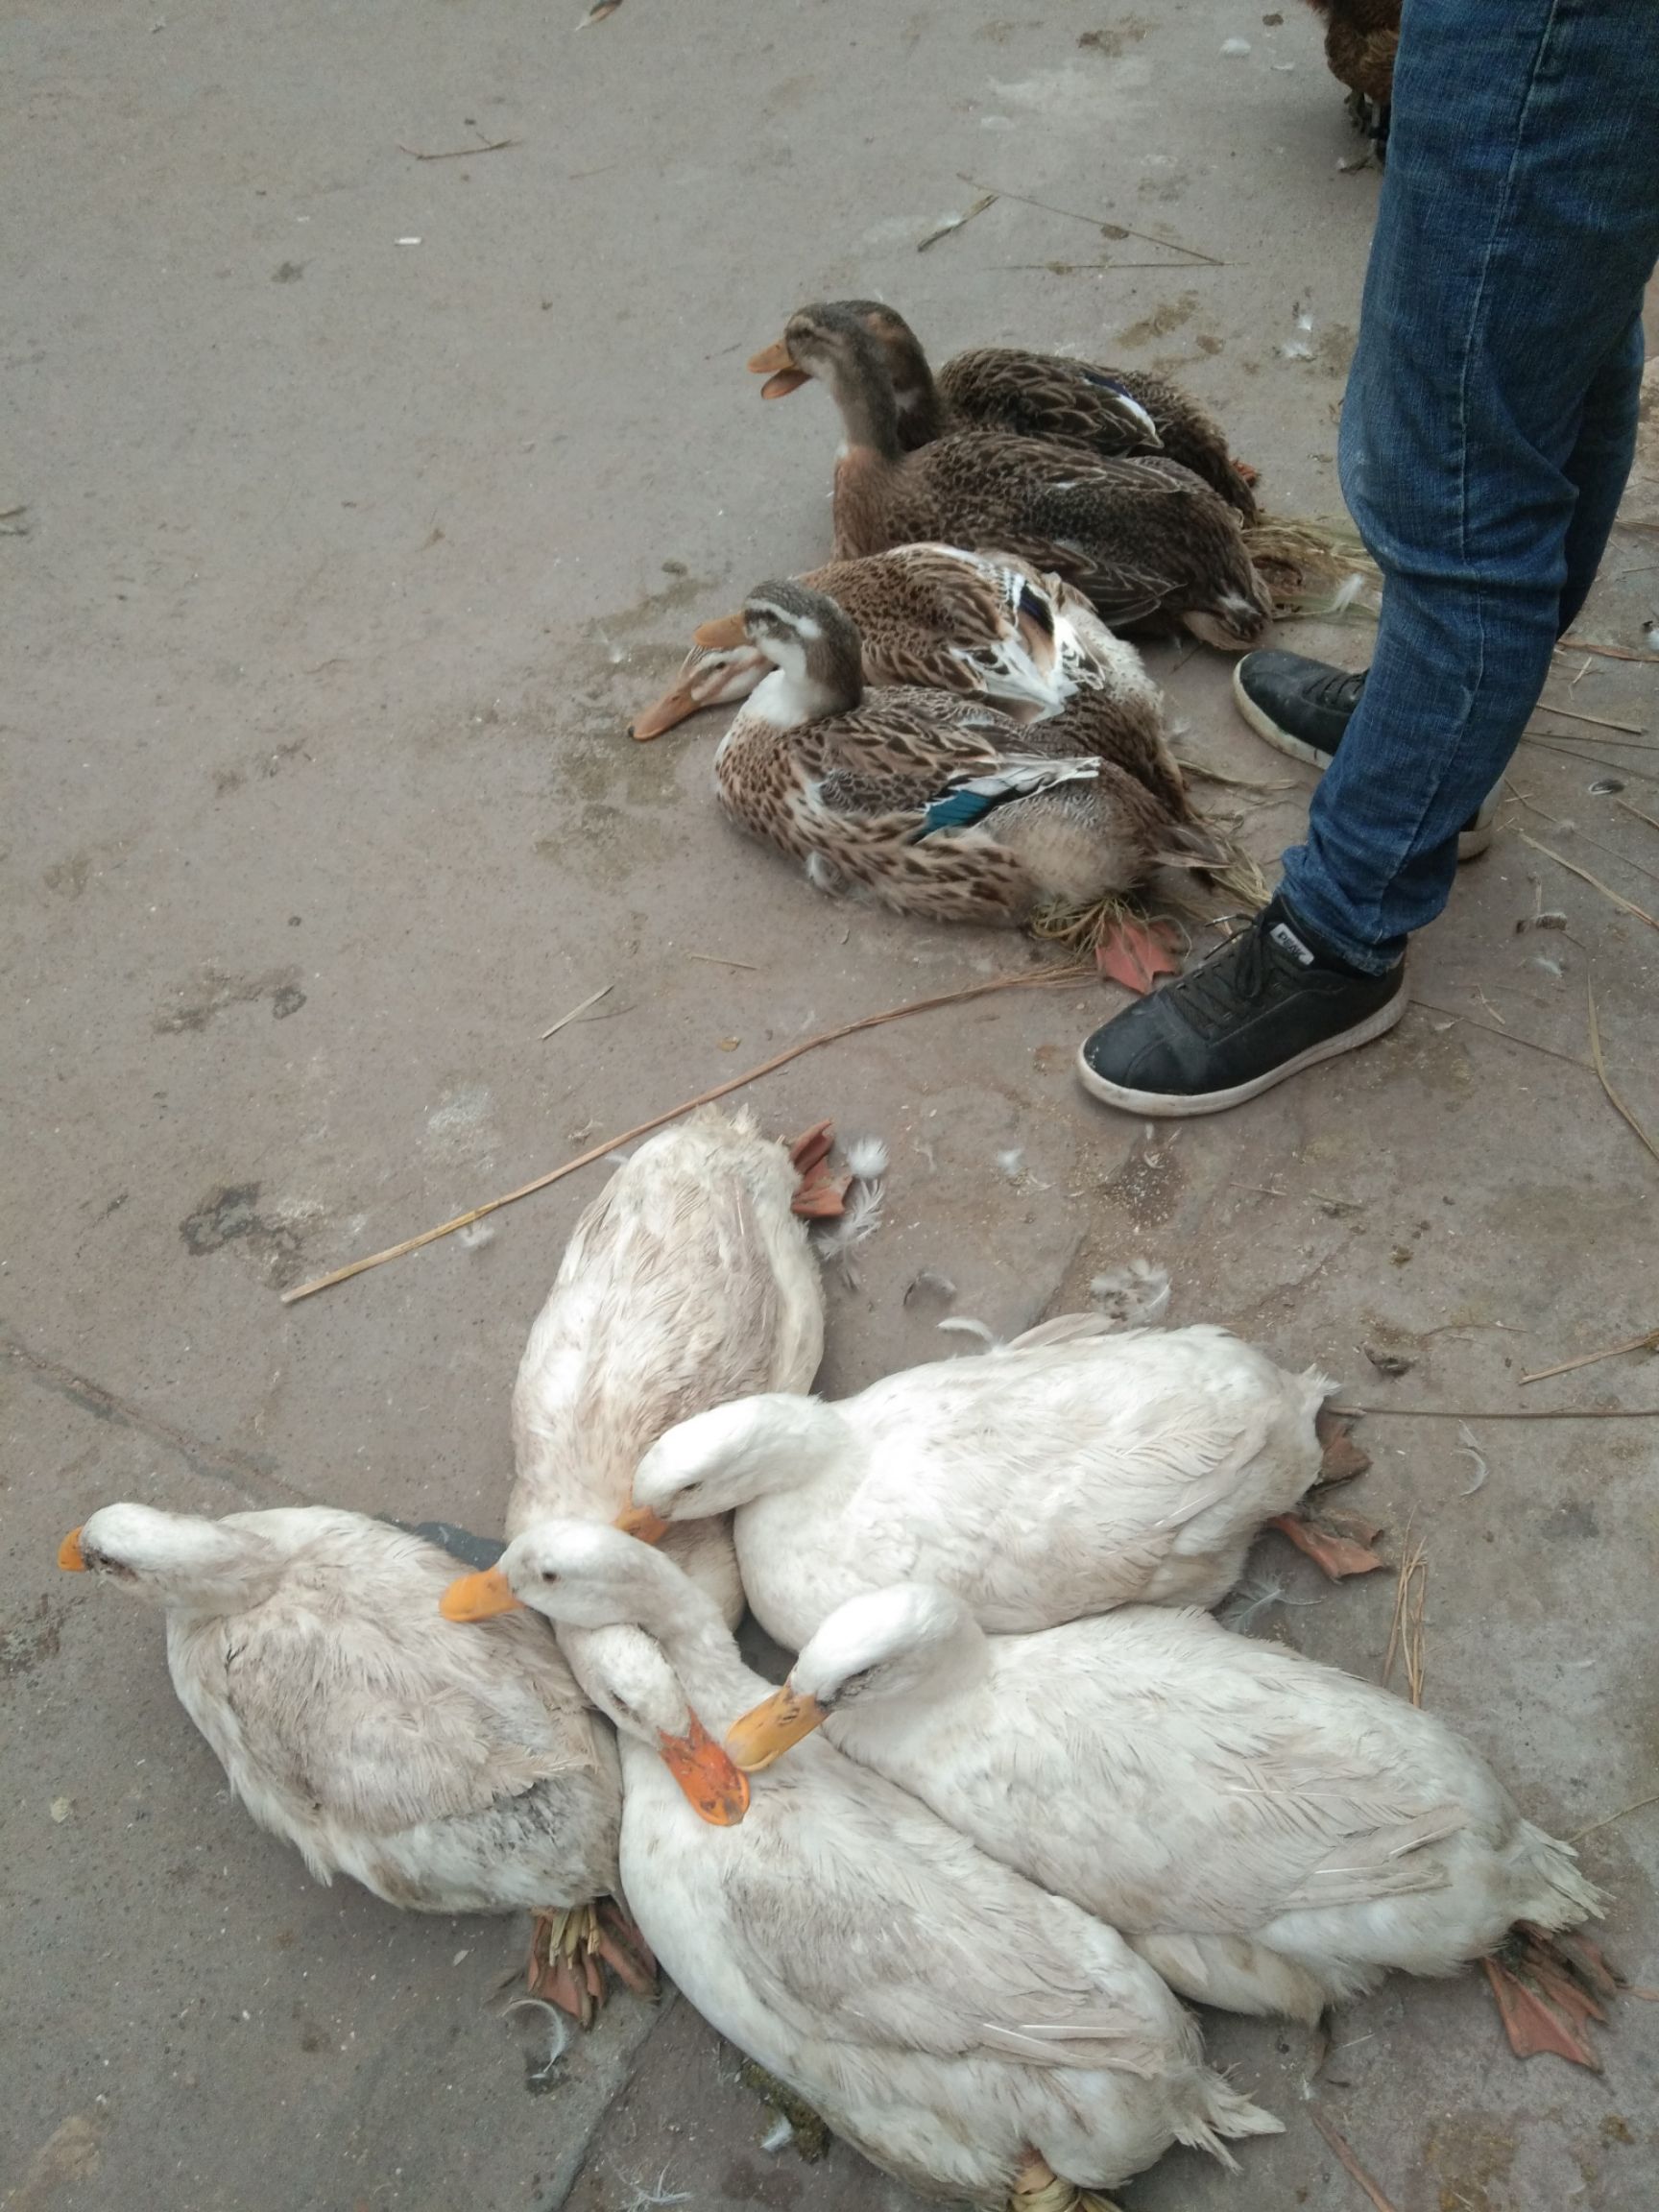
(257, 1478)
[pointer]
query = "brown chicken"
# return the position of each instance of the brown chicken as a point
(1361, 39)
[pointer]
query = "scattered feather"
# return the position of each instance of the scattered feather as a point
(1469, 1449)
(1252, 1598)
(780, 2135)
(1133, 1296)
(1549, 966)
(963, 1326)
(1012, 1160)
(1235, 49)
(559, 2037)
(476, 1234)
(866, 1159)
(931, 1284)
(597, 14)
(1651, 637)
(1550, 918)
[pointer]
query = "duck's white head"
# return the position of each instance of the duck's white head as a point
(587, 1575)
(182, 1561)
(730, 1456)
(913, 1639)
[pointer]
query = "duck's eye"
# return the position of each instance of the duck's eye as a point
(549, 1575)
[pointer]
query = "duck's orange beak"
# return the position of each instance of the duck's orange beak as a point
(478, 1597)
(639, 1520)
(777, 365)
(766, 1731)
(732, 674)
(707, 1775)
(70, 1554)
(720, 636)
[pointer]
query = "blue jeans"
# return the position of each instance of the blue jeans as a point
(1489, 422)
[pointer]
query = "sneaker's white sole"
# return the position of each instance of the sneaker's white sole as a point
(1266, 728)
(1171, 1105)
(1471, 842)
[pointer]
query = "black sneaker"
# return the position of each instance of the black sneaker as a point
(1302, 707)
(1262, 1006)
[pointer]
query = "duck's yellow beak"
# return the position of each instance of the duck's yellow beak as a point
(720, 636)
(777, 365)
(766, 1731)
(711, 1783)
(674, 706)
(478, 1597)
(639, 1520)
(70, 1554)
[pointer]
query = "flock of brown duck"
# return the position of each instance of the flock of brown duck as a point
(943, 717)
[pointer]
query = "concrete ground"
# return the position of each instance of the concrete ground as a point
(364, 497)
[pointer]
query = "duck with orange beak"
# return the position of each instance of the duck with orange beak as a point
(448, 1772)
(1144, 538)
(968, 2033)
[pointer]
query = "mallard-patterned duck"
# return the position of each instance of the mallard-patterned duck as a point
(935, 806)
(1141, 535)
(983, 625)
(1111, 410)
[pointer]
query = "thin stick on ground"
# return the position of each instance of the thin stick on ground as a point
(1499, 1413)
(593, 999)
(1069, 974)
(1096, 222)
(1607, 652)
(1627, 906)
(1613, 1099)
(1595, 1825)
(1648, 1343)
(1652, 820)
(719, 960)
(1351, 2164)
(458, 152)
(1406, 1635)
(1601, 722)
(1504, 1036)
(957, 222)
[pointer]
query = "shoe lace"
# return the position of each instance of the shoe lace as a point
(1239, 973)
(1339, 690)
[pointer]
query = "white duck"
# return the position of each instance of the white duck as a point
(450, 1772)
(962, 2029)
(688, 1280)
(1069, 1471)
(1272, 1836)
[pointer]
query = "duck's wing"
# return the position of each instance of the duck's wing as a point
(874, 1923)
(1047, 396)
(384, 1723)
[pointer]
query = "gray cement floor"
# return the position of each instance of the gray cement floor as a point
(345, 559)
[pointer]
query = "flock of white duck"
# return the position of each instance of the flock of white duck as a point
(1020, 1793)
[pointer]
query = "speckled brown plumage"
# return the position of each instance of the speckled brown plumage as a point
(1048, 395)
(1141, 535)
(845, 782)
(974, 624)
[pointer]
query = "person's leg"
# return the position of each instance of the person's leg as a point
(1518, 223)
(1599, 466)
(1519, 220)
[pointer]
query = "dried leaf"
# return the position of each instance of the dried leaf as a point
(1134, 954)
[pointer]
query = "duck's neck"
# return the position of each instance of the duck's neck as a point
(701, 1651)
(803, 687)
(946, 1690)
(782, 1442)
(919, 410)
(863, 392)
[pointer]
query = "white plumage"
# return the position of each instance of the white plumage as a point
(987, 2021)
(1073, 1470)
(1271, 1835)
(454, 1770)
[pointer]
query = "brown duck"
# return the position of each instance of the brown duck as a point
(933, 805)
(1141, 535)
(1110, 411)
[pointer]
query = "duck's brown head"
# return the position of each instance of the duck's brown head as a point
(816, 653)
(832, 342)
